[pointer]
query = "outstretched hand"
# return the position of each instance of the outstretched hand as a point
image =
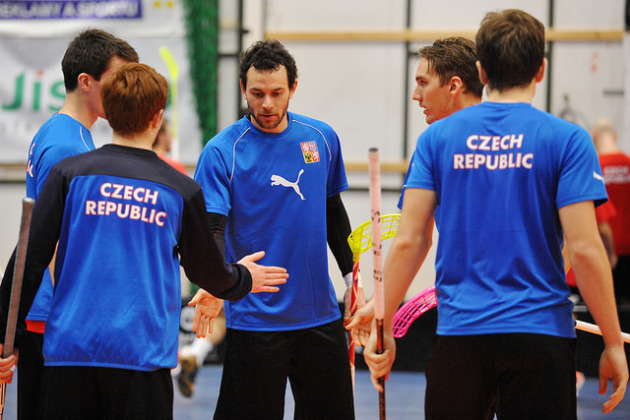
(264, 278)
(7, 366)
(207, 308)
(360, 323)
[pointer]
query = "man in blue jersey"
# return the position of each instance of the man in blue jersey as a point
(446, 81)
(273, 179)
(123, 219)
(509, 180)
(446, 78)
(90, 57)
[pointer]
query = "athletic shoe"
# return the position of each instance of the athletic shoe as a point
(186, 378)
(579, 382)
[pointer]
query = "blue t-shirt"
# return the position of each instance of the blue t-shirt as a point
(273, 189)
(123, 219)
(501, 172)
(61, 136)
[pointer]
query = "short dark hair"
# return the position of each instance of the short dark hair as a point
(90, 52)
(454, 56)
(267, 55)
(510, 47)
(132, 95)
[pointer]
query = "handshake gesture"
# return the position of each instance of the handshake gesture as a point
(208, 307)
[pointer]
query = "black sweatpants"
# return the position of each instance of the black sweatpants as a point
(30, 370)
(257, 365)
(521, 376)
(79, 393)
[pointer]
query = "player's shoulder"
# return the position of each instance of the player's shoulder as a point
(60, 123)
(562, 132)
(557, 122)
(82, 161)
(464, 116)
(310, 122)
(184, 184)
(127, 162)
(58, 132)
(226, 138)
(49, 131)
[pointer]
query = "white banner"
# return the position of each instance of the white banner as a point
(33, 38)
(64, 18)
(31, 89)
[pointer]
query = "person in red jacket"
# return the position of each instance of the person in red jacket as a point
(616, 171)
(162, 146)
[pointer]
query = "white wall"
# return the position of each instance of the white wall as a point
(10, 214)
(358, 87)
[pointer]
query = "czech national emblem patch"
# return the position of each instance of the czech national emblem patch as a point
(310, 151)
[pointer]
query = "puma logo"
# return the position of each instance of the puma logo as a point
(278, 180)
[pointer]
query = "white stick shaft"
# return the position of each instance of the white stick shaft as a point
(594, 329)
(375, 199)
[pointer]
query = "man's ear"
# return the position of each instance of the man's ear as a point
(455, 84)
(292, 89)
(156, 122)
(483, 76)
(240, 82)
(541, 71)
(84, 81)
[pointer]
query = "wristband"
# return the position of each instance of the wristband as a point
(348, 280)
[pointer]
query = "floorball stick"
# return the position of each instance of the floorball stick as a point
(427, 299)
(594, 329)
(377, 247)
(353, 305)
(16, 289)
(360, 241)
(173, 71)
(412, 309)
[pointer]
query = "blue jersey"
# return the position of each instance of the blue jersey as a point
(123, 219)
(61, 136)
(501, 172)
(273, 189)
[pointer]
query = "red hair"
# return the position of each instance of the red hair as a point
(132, 95)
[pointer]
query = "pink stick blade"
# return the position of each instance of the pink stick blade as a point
(412, 309)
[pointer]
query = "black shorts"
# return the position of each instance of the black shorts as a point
(621, 279)
(520, 376)
(29, 373)
(77, 392)
(257, 365)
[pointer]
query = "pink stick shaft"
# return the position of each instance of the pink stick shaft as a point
(379, 291)
(377, 247)
(594, 329)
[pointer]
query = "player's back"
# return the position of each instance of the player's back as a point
(501, 171)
